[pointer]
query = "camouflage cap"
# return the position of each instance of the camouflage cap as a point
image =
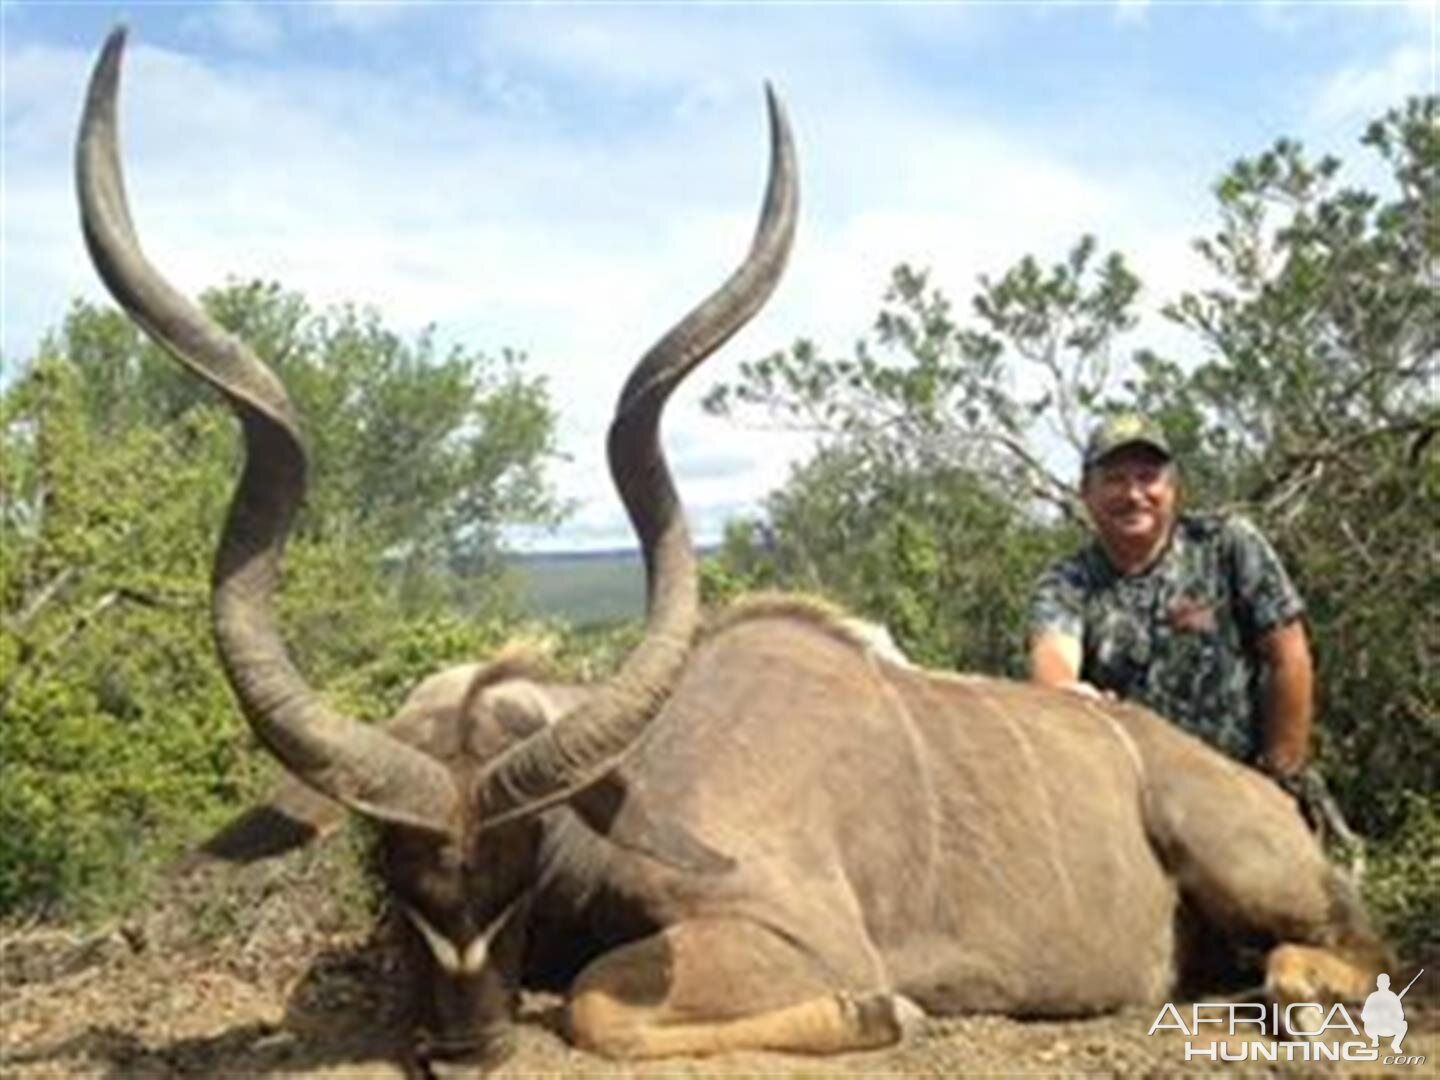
(1121, 430)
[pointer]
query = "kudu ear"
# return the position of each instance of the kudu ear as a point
(292, 816)
(607, 808)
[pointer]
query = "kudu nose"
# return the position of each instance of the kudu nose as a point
(439, 1060)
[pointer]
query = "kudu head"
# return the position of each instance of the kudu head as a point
(456, 790)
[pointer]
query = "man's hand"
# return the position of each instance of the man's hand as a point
(1290, 781)
(1087, 690)
(1055, 662)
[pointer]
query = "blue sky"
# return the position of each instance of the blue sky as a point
(568, 179)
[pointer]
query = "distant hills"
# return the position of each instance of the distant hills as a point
(583, 587)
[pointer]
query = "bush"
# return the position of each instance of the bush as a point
(1402, 886)
(120, 742)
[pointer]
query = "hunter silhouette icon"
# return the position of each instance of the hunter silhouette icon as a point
(1383, 1014)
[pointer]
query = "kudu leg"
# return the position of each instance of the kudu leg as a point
(716, 986)
(1245, 861)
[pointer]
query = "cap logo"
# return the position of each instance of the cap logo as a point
(1126, 427)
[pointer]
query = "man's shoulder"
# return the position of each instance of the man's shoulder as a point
(1061, 594)
(1083, 568)
(1235, 549)
(1212, 527)
(1233, 533)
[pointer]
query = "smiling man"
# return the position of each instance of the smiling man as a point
(1194, 617)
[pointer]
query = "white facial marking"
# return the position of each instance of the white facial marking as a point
(445, 953)
(458, 960)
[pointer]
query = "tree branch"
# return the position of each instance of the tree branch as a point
(76, 628)
(46, 593)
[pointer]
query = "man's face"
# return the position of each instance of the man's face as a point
(1132, 497)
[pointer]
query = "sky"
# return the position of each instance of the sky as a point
(569, 179)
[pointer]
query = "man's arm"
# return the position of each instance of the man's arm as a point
(1054, 658)
(1056, 625)
(1270, 603)
(1055, 661)
(1290, 698)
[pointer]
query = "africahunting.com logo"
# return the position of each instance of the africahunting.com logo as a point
(1314, 1033)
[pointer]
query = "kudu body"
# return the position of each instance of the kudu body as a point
(764, 835)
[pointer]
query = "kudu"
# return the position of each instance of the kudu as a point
(765, 835)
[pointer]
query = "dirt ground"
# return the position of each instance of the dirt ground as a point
(296, 988)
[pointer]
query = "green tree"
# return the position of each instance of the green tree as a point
(423, 453)
(118, 736)
(939, 557)
(909, 511)
(926, 389)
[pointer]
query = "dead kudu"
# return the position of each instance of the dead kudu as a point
(762, 835)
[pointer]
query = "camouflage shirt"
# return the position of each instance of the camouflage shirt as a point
(1182, 636)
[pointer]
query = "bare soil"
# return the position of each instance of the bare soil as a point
(278, 978)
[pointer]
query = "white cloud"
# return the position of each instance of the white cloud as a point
(241, 24)
(597, 175)
(581, 254)
(711, 54)
(1361, 92)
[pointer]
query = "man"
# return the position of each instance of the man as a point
(1191, 616)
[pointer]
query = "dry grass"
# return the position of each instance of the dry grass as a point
(267, 974)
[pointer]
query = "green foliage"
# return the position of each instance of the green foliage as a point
(119, 739)
(114, 724)
(940, 557)
(1403, 883)
(422, 454)
(596, 650)
(393, 658)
